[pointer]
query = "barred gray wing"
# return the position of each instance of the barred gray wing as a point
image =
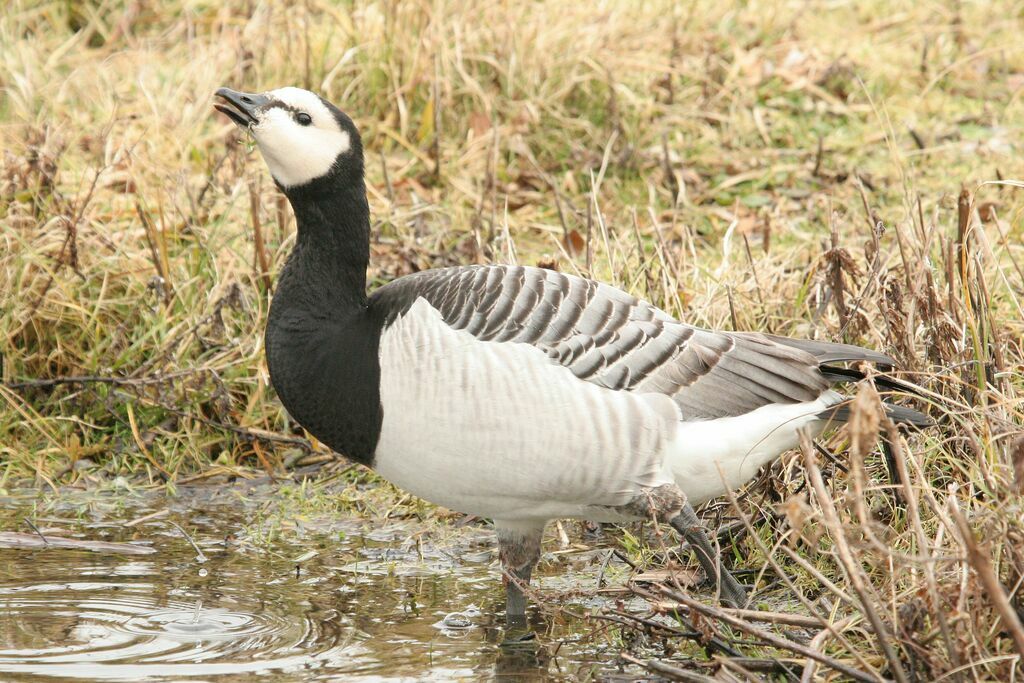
(613, 339)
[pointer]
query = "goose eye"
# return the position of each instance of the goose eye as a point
(303, 118)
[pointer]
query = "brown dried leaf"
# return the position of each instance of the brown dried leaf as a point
(574, 242)
(987, 211)
(479, 123)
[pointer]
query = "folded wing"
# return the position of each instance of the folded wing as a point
(611, 338)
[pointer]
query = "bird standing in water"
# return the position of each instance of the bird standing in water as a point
(514, 393)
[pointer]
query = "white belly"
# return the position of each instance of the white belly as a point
(500, 430)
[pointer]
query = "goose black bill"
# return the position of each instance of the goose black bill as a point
(240, 107)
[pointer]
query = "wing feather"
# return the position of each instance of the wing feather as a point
(610, 338)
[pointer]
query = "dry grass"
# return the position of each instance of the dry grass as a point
(785, 166)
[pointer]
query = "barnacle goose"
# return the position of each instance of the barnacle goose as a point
(514, 393)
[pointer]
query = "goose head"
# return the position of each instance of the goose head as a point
(304, 139)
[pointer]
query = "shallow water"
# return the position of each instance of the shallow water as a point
(331, 598)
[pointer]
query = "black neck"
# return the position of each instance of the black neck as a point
(322, 341)
(332, 248)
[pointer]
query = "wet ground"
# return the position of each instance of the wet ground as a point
(298, 596)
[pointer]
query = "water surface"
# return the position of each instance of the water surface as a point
(315, 598)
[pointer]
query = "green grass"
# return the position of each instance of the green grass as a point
(128, 211)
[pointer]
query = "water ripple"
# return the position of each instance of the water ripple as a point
(115, 630)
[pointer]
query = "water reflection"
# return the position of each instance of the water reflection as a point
(364, 605)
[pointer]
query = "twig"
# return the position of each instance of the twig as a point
(147, 518)
(757, 282)
(672, 672)
(207, 185)
(819, 577)
(644, 264)
(797, 620)
(819, 157)
(963, 206)
(671, 182)
(249, 434)
(159, 259)
(200, 557)
(230, 298)
(36, 529)
(307, 78)
(732, 308)
(622, 556)
(714, 643)
(767, 636)
(743, 667)
(435, 146)
(133, 382)
(836, 462)
(141, 444)
(281, 206)
(590, 231)
(205, 474)
(387, 182)
(98, 379)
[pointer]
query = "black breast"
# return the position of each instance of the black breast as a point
(327, 373)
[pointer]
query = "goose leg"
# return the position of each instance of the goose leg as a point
(515, 598)
(666, 503)
(688, 524)
(519, 550)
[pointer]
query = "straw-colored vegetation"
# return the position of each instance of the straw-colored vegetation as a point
(816, 169)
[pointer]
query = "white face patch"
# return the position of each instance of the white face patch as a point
(296, 153)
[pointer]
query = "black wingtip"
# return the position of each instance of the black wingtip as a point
(901, 415)
(836, 374)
